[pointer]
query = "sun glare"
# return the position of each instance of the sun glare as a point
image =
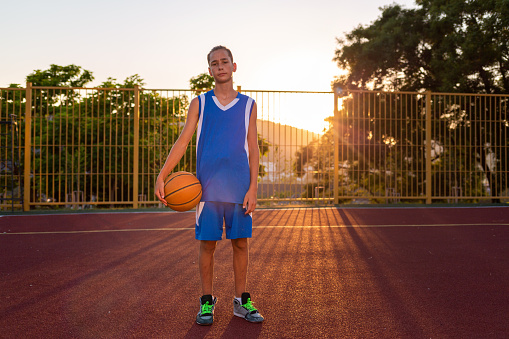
(309, 111)
(303, 108)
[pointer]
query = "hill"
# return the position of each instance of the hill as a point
(286, 138)
(285, 141)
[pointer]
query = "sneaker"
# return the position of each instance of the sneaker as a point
(246, 310)
(206, 314)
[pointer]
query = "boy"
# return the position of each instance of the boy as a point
(227, 159)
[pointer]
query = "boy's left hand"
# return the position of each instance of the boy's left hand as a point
(250, 201)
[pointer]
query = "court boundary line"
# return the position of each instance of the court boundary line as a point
(56, 213)
(254, 227)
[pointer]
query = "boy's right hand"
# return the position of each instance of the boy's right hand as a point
(160, 191)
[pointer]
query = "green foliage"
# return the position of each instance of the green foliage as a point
(381, 149)
(12, 102)
(56, 76)
(201, 82)
(83, 139)
(62, 76)
(12, 108)
(480, 123)
(129, 82)
(91, 135)
(264, 146)
(444, 46)
(319, 154)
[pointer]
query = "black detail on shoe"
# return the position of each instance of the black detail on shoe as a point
(244, 298)
(205, 298)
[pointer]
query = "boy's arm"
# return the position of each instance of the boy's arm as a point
(178, 149)
(254, 161)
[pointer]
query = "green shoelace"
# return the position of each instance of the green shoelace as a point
(206, 308)
(249, 306)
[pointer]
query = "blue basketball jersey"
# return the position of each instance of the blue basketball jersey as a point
(222, 153)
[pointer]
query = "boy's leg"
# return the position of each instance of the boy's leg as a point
(240, 264)
(208, 229)
(239, 227)
(206, 262)
(243, 308)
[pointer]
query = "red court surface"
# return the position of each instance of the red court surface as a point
(314, 273)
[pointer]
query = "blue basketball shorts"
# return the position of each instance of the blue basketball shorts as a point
(210, 217)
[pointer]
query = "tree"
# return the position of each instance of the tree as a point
(202, 82)
(62, 76)
(82, 138)
(12, 104)
(319, 155)
(90, 133)
(443, 46)
(56, 76)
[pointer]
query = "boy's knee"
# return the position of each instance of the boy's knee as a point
(207, 246)
(240, 244)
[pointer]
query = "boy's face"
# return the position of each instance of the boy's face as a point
(221, 66)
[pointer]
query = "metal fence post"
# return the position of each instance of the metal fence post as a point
(136, 146)
(428, 147)
(28, 142)
(335, 130)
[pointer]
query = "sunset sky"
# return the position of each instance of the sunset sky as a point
(277, 44)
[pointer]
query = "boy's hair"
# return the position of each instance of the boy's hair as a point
(218, 48)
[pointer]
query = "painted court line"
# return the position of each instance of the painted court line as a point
(93, 213)
(101, 231)
(261, 226)
(259, 210)
(378, 226)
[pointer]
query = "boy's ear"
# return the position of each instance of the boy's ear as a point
(210, 72)
(234, 67)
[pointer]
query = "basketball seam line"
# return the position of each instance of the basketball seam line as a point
(176, 176)
(186, 202)
(193, 184)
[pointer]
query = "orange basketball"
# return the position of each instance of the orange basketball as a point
(182, 191)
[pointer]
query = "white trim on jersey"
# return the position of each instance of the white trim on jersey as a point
(227, 107)
(199, 209)
(200, 120)
(247, 115)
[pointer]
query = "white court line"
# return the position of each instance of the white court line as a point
(93, 213)
(102, 231)
(375, 226)
(168, 211)
(261, 226)
(375, 207)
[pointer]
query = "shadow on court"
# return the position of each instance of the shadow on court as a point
(314, 273)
